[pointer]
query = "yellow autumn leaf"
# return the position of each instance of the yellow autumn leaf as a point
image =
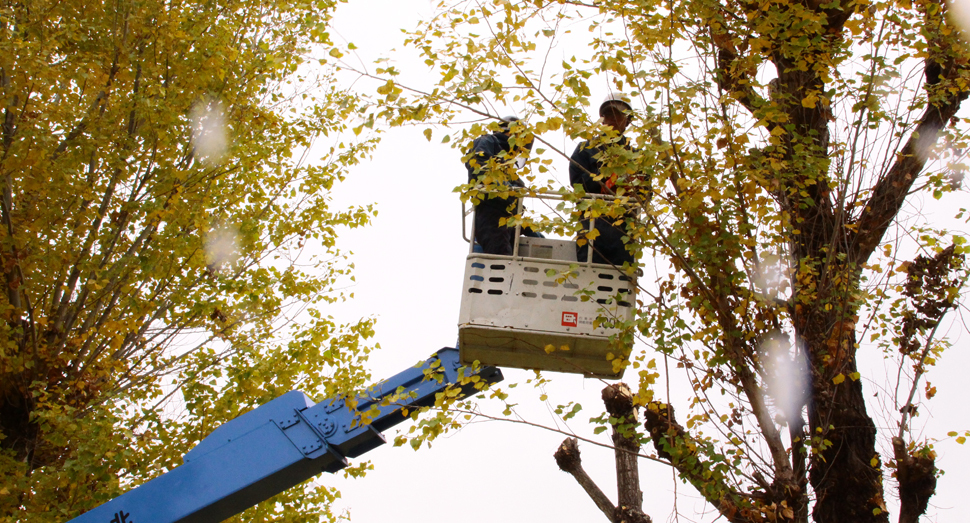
(387, 88)
(810, 100)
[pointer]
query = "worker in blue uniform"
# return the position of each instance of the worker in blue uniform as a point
(594, 168)
(493, 154)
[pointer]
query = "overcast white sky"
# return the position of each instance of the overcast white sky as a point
(409, 277)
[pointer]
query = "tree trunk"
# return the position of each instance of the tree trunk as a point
(626, 443)
(845, 470)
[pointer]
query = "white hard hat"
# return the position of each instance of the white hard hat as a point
(505, 123)
(616, 98)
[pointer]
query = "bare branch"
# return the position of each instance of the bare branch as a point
(567, 457)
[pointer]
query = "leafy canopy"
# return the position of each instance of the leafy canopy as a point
(167, 251)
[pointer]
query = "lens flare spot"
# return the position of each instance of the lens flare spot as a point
(210, 135)
(786, 375)
(221, 248)
(958, 12)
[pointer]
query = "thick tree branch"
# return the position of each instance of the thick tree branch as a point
(568, 459)
(946, 72)
(672, 442)
(890, 192)
(731, 73)
(779, 456)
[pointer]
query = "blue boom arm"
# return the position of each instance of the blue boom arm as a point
(281, 444)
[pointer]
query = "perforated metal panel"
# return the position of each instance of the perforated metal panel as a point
(513, 308)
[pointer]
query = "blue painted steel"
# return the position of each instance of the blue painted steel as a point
(281, 444)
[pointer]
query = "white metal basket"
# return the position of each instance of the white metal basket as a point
(514, 307)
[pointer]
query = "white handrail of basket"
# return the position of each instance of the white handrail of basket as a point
(525, 192)
(521, 193)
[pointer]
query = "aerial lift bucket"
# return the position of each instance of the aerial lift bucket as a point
(542, 309)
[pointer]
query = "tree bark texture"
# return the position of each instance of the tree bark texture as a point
(917, 481)
(848, 487)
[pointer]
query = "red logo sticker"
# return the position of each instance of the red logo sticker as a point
(570, 319)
